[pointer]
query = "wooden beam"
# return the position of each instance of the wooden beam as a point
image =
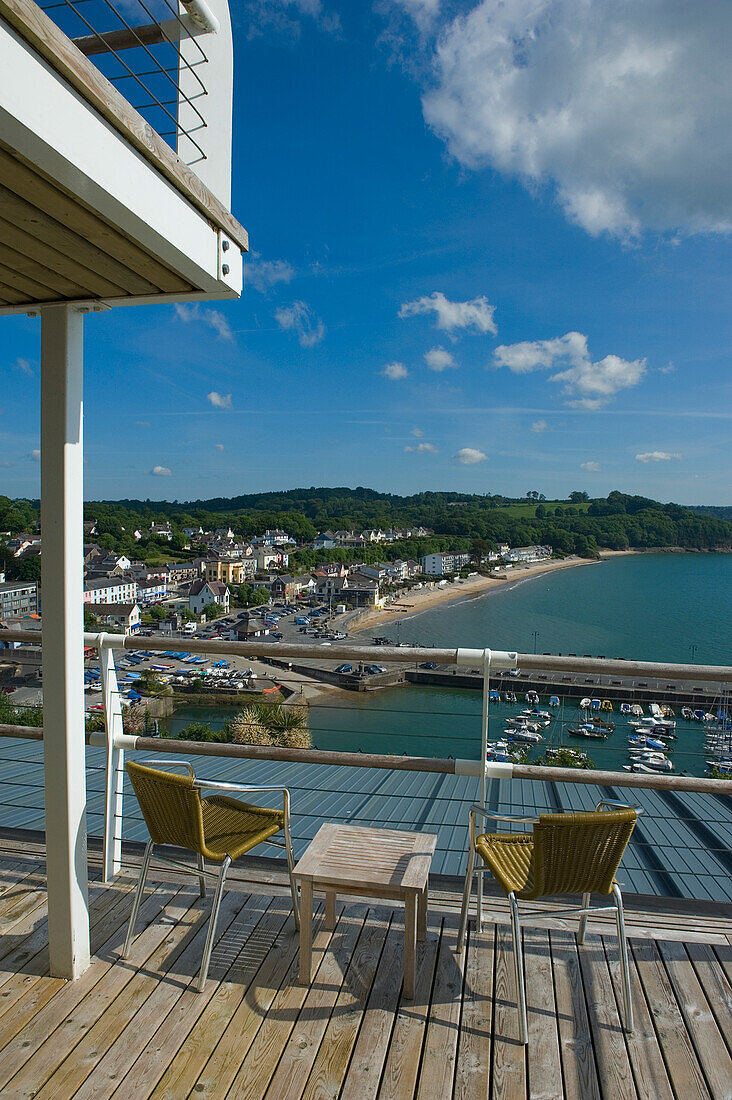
(68, 210)
(151, 34)
(40, 32)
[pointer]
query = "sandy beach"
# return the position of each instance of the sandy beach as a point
(422, 599)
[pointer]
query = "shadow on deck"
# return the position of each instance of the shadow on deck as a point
(137, 1029)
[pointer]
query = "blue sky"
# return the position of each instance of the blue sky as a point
(465, 273)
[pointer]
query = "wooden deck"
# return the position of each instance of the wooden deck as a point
(137, 1029)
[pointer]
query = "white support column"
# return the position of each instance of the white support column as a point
(483, 754)
(115, 763)
(63, 653)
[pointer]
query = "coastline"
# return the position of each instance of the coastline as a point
(414, 602)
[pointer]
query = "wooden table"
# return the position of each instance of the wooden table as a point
(375, 863)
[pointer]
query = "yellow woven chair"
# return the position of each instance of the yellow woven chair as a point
(567, 853)
(218, 828)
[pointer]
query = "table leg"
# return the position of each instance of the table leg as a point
(330, 919)
(410, 944)
(422, 915)
(306, 930)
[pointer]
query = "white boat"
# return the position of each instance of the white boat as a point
(585, 704)
(530, 736)
(651, 761)
(655, 710)
(499, 751)
(636, 710)
(532, 697)
(625, 708)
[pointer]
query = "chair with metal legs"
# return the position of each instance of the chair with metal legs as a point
(568, 853)
(218, 828)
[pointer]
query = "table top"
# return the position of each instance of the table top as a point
(352, 855)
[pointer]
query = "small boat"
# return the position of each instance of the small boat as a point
(647, 767)
(498, 751)
(532, 697)
(656, 761)
(625, 708)
(527, 735)
(585, 704)
(510, 696)
(687, 714)
(591, 734)
(602, 724)
(553, 700)
(606, 705)
(636, 710)
(698, 715)
(494, 696)
(655, 710)
(647, 743)
(724, 766)
(668, 712)
(595, 704)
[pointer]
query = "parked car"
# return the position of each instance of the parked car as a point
(343, 669)
(428, 664)
(374, 669)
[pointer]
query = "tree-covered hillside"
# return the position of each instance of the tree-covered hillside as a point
(576, 525)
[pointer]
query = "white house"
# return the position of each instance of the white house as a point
(525, 554)
(205, 592)
(110, 590)
(436, 565)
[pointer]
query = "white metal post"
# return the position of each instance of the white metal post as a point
(115, 763)
(483, 754)
(62, 514)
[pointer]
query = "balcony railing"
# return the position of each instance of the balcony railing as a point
(681, 848)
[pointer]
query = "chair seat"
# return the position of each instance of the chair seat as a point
(508, 855)
(231, 827)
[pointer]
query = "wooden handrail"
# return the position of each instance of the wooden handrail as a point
(447, 766)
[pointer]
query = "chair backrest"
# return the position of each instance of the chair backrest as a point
(577, 853)
(171, 806)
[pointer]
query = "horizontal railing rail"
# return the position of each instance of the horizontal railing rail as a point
(485, 663)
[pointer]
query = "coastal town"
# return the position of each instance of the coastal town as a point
(128, 596)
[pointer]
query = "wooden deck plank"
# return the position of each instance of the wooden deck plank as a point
(399, 1078)
(611, 1054)
(315, 1059)
(508, 1063)
(363, 1075)
(53, 1024)
(544, 1060)
(579, 1071)
(138, 1029)
(247, 942)
(439, 1058)
(682, 1065)
(330, 957)
(473, 1067)
(111, 1044)
(701, 1024)
(646, 1060)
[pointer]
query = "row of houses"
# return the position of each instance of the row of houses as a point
(438, 565)
(330, 540)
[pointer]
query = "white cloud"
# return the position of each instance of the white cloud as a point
(669, 368)
(142, 423)
(300, 319)
(439, 359)
(656, 456)
(540, 426)
(590, 467)
(25, 366)
(423, 448)
(35, 455)
(211, 317)
(623, 110)
(161, 471)
(417, 432)
(591, 384)
(423, 12)
(476, 314)
(267, 17)
(468, 456)
(219, 446)
(263, 274)
(219, 400)
(395, 371)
